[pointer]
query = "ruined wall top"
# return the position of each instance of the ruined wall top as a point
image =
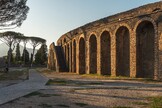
(136, 12)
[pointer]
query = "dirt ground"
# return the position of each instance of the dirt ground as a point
(77, 91)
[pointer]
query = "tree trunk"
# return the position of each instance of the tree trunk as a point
(32, 56)
(9, 57)
(24, 54)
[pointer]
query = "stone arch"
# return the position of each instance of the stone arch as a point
(123, 51)
(105, 46)
(74, 56)
(64, 40)
(82, 63)
(145, 48)
(93, 54)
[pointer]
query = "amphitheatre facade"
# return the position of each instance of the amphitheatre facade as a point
(126, 44)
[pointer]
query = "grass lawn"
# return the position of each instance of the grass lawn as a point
(155, 102)
(14, 74)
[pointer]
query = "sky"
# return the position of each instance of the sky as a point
(50, 19)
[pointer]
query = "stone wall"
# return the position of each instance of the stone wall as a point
(52, 58)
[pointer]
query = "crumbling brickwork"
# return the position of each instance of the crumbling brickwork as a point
(126, 44)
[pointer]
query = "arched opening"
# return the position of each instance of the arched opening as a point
(105, 53)
(64, 40)
(93, 54)
(145, 34)
(123, 52)
(82, 56)
(74, 56)
(65, 52)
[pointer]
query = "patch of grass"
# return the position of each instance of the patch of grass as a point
(57, 82)
(14, 75)
(32, 94)
(89, 83)
(121, 107)
(140, 103)
(63, 105)
(155, 102)
(49, 95)
(81, 104)
(70, 82)
(44, 105)
(40, 94)
(45, 70)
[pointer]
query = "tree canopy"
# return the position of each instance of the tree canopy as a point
(12, 13)
(10, 37)
(35, 41)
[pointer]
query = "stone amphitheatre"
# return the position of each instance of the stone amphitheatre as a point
(125, 44)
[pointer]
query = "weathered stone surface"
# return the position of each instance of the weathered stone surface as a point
(125, 44)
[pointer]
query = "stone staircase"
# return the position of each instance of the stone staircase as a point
(61, 59)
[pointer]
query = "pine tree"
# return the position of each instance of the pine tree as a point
(26, 56)
(18, 58)
(41, 55)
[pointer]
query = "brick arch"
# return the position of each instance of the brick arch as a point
(93, 54)
(82, 62)
(105, 49)
(146, 39)
(122, 51)
(106, 30)
(64, 40)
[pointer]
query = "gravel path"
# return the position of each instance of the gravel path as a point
(88, 92)
(35, 82)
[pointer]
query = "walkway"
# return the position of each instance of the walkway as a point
(35, 82)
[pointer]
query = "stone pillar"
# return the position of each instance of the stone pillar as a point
(113, 55)
(158, 54)
(87, 55)
(67, 57)
(77, 56)
(132, 54)
(98, 56)
(70, 57)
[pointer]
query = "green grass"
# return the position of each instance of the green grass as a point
(81, 104)
(49, 95)
(89, 83)
(70, 82)
(44, 105)
(57, 82)
(155, 102)
(32, 94)
(62, 105)
(45, 70)
(121, 107)
(14, 75)
(40, 94)
(140, 103)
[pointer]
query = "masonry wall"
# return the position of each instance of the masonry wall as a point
(126, 44)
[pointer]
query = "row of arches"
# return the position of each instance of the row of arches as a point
(145, 56)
